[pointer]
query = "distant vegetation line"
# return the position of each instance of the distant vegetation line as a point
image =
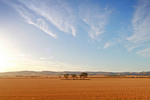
(72, 72)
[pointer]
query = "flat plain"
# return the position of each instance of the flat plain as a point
(61, 89)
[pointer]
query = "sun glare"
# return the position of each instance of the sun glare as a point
(4, 60)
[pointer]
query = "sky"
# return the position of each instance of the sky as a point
(75, 35)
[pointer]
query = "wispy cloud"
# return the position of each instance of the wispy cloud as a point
(96, 18)
(51, 15)
(140, 22)
(57, 13)
(107, 44)
(140, 38)
(144, 53)
(47, 15)
(31, 18)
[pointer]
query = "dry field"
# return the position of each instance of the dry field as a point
(92, 89)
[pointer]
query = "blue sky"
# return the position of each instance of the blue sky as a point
(75, 35)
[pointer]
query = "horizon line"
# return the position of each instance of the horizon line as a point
(72, 71)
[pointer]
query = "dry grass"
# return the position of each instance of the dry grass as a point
(57, 89)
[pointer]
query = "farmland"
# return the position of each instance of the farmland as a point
(88, 89)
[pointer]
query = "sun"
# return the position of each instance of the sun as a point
(4, 60)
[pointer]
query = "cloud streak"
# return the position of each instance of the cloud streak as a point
(31, 18)
(140, 22)
(144, 52)
(51, 16)
(57, 13)
(140, 38)
(96, 18)
(107, 44)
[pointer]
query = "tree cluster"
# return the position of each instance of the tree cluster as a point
(74, 76)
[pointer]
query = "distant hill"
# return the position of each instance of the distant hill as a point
(35, 73)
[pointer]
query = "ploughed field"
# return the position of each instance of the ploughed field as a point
(60, 89)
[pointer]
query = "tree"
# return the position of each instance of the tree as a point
(66, 76)
(73, 76)
(83, 75)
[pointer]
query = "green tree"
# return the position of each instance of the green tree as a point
(73, 76)
(66, 76)
(83, 75)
